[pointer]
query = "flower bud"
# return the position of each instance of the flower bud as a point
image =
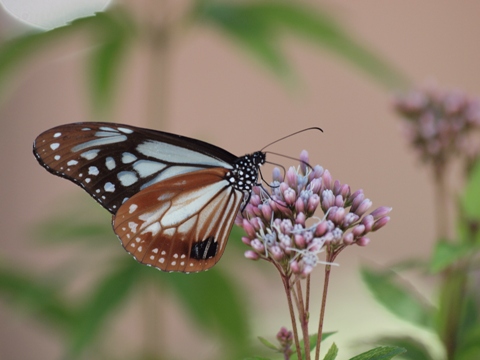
(316, 173)
(328, 199)
(258, 246)
(266, 212)
(299, 205)
(277, 175)
(290, 196)
(321, 229)
(249, 229)
(368, 222)
(339, 201)
(363, 241)
(300, 219)
(380, 212)
(327, 180)
(251, 255)
(380, 223)
(300, 241)
(246, 240)
(291, 177)
(303, 161)
(276, 253)
(357, 198)
(336, 187)
(348, 239)
(312, 203)
(363, 207)
(358, 230)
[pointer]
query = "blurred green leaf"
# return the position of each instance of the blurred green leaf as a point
(380, 353)
(268, 344)
(248, 29)
(471, 195)
(469, 346)
(260, 25)
(114, 35)
(313, 344)
(107, 295)
(446, 254)
(401, 300)
(34, 295)
(415, 350)
(213, 301)
(332, 353)
(256, 358)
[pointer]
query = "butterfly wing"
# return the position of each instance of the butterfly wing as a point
(112, 162)
(182, 223)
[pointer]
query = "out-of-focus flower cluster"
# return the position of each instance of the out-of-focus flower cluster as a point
(281, 226)
(440, 123)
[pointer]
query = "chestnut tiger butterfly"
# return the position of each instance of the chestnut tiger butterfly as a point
(173, 199)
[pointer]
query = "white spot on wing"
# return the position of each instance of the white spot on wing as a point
(133, 226)
(153, 228)
(128, 158)
(172, 153)
(57, 157)
(114, 138)
(93, 170)
(125, 130)
(72, 162)
(56, 135)
(90, 154)
(127, 178)
(146, 168)
(87, 180)
(109, 187)
(110, 163)
(54, 146)
(132, 208)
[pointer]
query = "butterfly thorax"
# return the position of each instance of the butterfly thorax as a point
(244, 174)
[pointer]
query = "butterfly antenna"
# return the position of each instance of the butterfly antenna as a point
(288, 157)
(295, 133)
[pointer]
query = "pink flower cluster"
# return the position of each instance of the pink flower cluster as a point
(439, 123)
(281, 227)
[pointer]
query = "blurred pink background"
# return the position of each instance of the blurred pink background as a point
(219, 94)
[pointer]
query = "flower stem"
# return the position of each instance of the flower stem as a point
(323, 306)
(303, 315)
(288, 292)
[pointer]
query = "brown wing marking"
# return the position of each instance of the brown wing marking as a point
(182, 223)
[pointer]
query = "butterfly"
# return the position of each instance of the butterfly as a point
(173, 199)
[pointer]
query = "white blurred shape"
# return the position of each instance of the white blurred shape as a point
(49, 14)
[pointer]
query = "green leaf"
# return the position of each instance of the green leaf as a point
(107, 296)
(400, 299)
(332, 353)
(415, 350)
(27, 292)
(268, 344)
(256, 358)
(313, 344)
(446, 253)
(214, 303)
(247, 29)
(113, 36)
(471, 195)
(469, 346)
(380, 353)
(262, 24)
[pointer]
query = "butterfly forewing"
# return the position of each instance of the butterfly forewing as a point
(112, 162)
(182, 223)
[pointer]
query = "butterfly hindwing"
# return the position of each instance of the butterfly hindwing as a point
(182, 223)
(112, 162)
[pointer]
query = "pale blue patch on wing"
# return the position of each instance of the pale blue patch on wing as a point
(176, 154)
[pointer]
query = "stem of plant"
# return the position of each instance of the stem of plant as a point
(288, 292)
(303, 320)
(330, 258)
